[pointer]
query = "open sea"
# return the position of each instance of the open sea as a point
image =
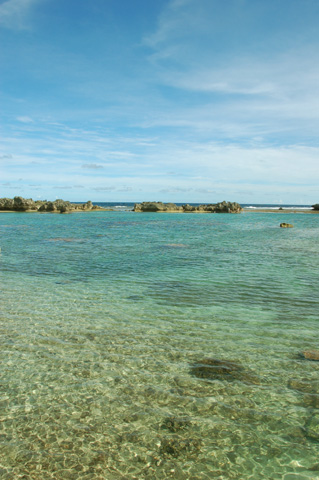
(144, 346)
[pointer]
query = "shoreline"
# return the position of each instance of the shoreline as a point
(101, 209)
(245, 210)
(22, 205)
(28, 205)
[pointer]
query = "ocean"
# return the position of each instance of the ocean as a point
(144, 346)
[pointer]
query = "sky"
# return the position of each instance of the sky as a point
(160, 100)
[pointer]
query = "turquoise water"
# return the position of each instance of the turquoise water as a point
(106, 319)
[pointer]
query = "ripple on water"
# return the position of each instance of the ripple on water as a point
(123, 360)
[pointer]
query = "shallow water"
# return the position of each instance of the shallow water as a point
(106, 319)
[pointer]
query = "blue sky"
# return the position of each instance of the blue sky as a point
(171, 100)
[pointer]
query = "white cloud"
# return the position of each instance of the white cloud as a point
(92, 166)
(14, 13)
(288, 75)
(103, 189)
(25, 119)
(171, 24)
(232, 86)
(125, 189)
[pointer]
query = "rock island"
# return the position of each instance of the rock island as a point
(19, 204)
(222, 207)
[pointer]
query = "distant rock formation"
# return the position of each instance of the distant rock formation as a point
(315, 206)
(20, 204)
(156, 207)
(63, 206)
(222, 207)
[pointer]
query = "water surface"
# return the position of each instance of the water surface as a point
(105, 318)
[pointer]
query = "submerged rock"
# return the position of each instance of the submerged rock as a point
(174, 424)
(215, 369)
(175, 245)
(312, 427)
(175, 446)
(286, 225)
(310, 355)
(309, 390)
(303, 385)
(311, 400)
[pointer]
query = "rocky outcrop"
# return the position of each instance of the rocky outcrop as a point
(56, 206)
(6, 204)
(310, 355)
(222, 207)
(228, 207)
(20, 204)
(286, 225)
(156, 207)
(316, 206)
(17, 204)
(88, 205)
(24, 204)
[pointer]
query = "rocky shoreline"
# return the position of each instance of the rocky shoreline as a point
(20, 204)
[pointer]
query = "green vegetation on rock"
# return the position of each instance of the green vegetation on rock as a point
(221, 207)
(20, 204)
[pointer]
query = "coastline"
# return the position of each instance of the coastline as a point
(28, 205)
(99, 209)
(245, 210)
(21, 205)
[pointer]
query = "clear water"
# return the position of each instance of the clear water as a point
(103, 317)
